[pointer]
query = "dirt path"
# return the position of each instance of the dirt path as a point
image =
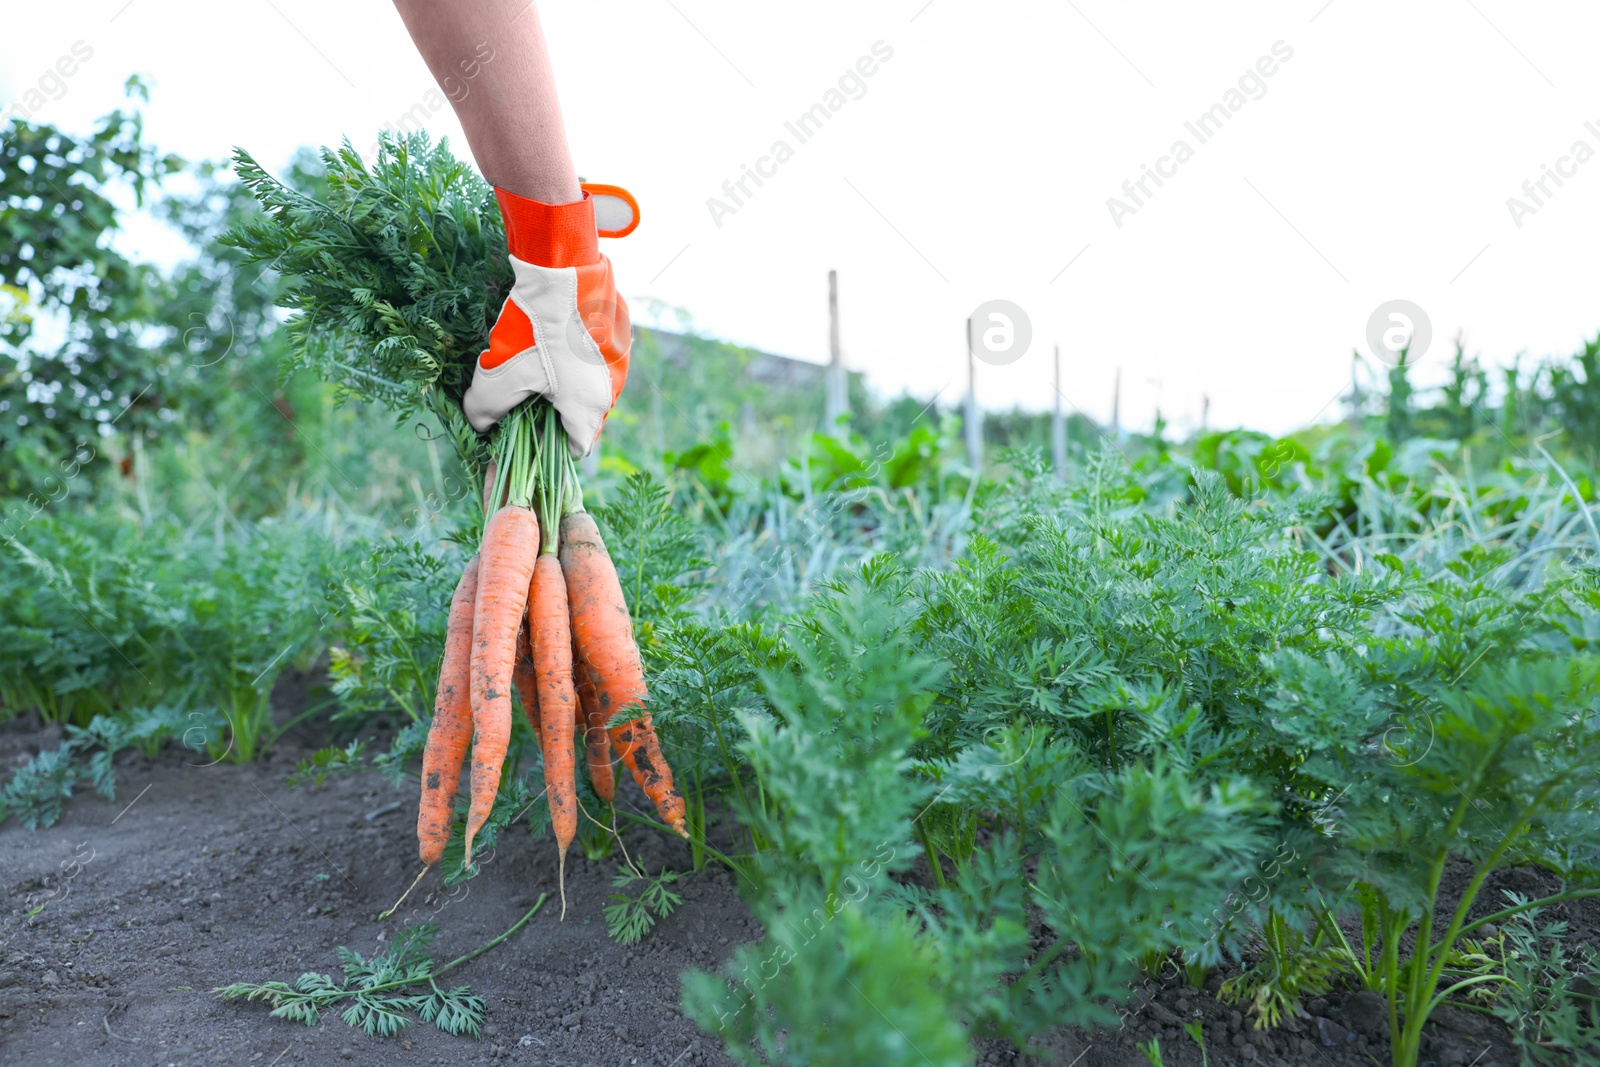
(196, 877)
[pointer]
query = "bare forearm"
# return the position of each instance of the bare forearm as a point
(508, 106)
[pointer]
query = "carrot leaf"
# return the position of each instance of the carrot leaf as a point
(631, 917)
(381, 993)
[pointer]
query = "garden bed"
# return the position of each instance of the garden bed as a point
(196, 876)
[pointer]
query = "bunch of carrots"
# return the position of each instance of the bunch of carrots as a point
(539, 608)
(396, 272)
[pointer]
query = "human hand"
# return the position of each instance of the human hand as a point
(563, 332)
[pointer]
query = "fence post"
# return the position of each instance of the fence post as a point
(1058, 428)
(974, 417)
(836, 407)
(1116, 406)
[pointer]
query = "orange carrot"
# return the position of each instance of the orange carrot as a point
(451, 728)
(488, 487)
(597, 746)
(603, 634)
(558, 704)
(525, 679)
(510, 541)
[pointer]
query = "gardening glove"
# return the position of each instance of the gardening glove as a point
(563, 332)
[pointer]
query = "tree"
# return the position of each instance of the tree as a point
(83, 341)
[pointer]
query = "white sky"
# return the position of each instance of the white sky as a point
(978, 165)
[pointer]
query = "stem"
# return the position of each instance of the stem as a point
(1542, 902)
(554, 466)
(481, 949)
(697, 820)
(722, 746)
(1428, 965)
(933, 853)
(664, 828)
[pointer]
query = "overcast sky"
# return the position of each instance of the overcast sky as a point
(977, 162)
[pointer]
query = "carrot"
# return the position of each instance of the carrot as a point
(451, 728)
(510, 541)
(489, 472)
(597, 746)
(558, 704)
(523, 676)
(602, 631)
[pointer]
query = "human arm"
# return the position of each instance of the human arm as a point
(507, 105)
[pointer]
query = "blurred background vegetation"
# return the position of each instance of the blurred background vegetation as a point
(180, 523)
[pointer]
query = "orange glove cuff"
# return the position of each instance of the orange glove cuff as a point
(550, 235)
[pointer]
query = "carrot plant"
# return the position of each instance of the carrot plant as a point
(37, 790)
(1187, 727)
(391, 639)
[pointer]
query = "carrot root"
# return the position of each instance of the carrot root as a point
(596, 744)
(558, 703)
(510, 542)
(451, 728)
(602, 633)
(396, 905)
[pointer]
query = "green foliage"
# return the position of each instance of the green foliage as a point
(396, 602)
(656, 551)
(115, 362)
(837, 811)
(1499, 764)
(631, 917)
(1251, 462)
(1192, 701)
(1151, 1050)
(396, 275)
(1574, 392)
(1293, 966)
(1129, 864)
(382, 993)
(101, 617)
(314, 769)
(830, 757)
(39, 788)
(1551, 995)
(850, 987)
(706, 464)
(1181, 721)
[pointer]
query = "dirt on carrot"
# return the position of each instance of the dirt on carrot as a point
(505, 571)
(603, 636)
(451, 729)
(558, 703)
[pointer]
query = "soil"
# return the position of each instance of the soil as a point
(198, 876)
